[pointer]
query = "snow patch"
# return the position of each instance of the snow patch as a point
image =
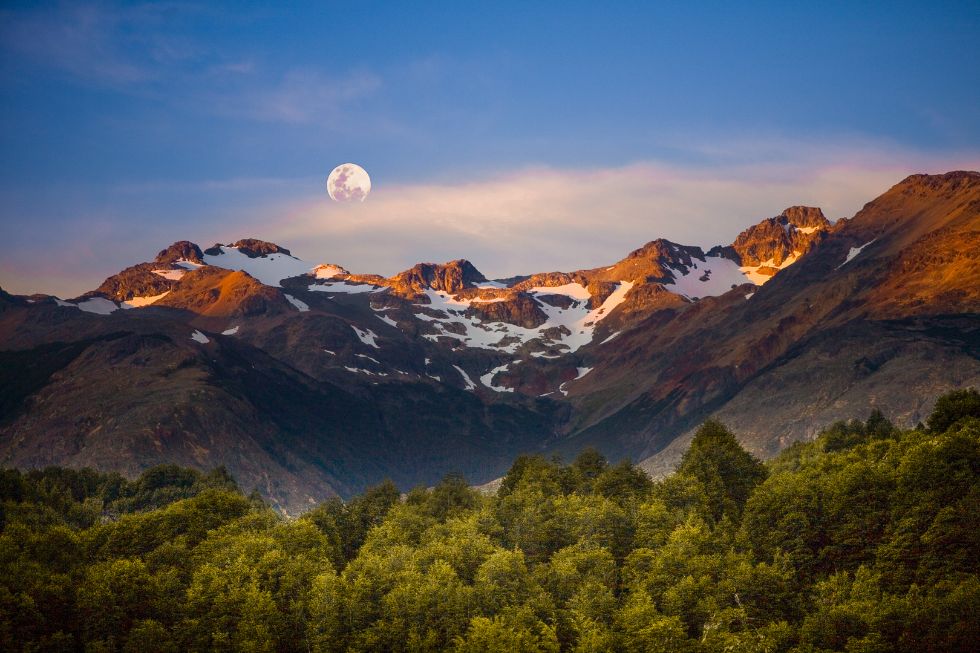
(544, 354)
(756, 277)
(466, 378)
(714, 277)
(578, 320)
(346, 288)
(609, 339)
(386, 320)
(98, 305)
(230, 332)
(582, 371)
(366, 336)
(298, 303)
(573, 290)
(487, 379)
(854, 251)
(172, 275)
(269, 269)
(197, 336)
(139, 302)
(358, 370)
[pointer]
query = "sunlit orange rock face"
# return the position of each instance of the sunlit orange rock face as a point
(451, 277)
(216, 292)
(182, 250)
(927, 246)
(771, 242)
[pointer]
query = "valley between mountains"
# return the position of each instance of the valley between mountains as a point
(308, 381)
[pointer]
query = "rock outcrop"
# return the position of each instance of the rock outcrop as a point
(182, 250)
(450, 277)
(250, 247)
(136, 281)
(774, 240)
(519, 310)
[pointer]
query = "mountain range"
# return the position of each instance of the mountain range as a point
(308, 381)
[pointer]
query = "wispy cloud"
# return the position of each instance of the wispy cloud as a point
(136, 50)
(297, 96)
(83, 41)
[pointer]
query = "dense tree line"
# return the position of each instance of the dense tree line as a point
(863, 540)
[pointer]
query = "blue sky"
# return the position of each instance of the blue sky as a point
(124, 127)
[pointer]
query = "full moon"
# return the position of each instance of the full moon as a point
(348, 182)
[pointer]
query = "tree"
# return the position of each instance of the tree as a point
(425, 609)
(503, 581)
(727, 472)
(623, 483)
(647, 631)
(452, 496)
(581, 580)
(150, 636)
(517, 633)
(587, 466)
(462, 542)
(346, 525)
(324, 614)
(113, 596)
(952, 407)
(532, 470)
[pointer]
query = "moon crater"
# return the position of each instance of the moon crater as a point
(348, 182)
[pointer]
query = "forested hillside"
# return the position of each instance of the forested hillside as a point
(863, 540)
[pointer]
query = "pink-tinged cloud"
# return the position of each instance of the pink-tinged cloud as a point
(516, 222)
(540, 219)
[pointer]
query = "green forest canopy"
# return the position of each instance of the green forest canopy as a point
(864, 540)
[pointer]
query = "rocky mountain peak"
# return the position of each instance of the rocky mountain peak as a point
(952, 180)
(250, 247)
(182, 250)
(657, 249)
(450, 277)
(922, 240)
(653, 261)
(917, 195)
(805, 216)
(774, 241)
